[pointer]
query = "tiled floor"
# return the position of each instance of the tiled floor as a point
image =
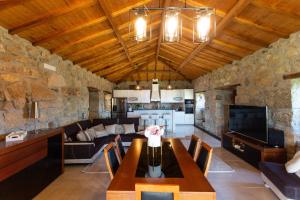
(244, 184)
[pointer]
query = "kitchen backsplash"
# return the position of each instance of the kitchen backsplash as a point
(156, 105)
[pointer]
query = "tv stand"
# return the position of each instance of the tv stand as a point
(252, 151)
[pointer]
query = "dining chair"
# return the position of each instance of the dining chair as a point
(146, 191)
(120, 148)
(194, 147)
(111, 159)
(204, 158)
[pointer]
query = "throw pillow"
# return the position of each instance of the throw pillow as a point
(111, 129)
(99, 127)
(101, 133)
(82, 136)
(129, 128)
(91, 132)
(119, 129)
(293, 165)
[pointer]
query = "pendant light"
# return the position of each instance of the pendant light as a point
(172, 25)
(140, 25)
(203, 25)
(138, 87)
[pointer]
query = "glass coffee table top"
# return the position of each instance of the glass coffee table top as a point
(158, 162)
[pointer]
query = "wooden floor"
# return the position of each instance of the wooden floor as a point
(245, 183)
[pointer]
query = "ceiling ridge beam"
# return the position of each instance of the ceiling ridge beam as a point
(50, 16)
(234, 11)
(166, 4)
(87, 24)
(115, 28)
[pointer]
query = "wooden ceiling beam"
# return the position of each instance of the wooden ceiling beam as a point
(115, 68)
(241, 20)
(175, 70)
(81, 26)
(234, 11)
(255, 41)
(224, 54)
(128, 74)
(104, 7)
(274, 9)
(96, 46)
(11, 3)
(44, 18)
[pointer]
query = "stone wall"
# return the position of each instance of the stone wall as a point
(162, 84)
(260, 76)
(62, 95)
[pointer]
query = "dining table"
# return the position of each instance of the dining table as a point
(177, 167)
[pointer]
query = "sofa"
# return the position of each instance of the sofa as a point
(285, 185)
(79, 152)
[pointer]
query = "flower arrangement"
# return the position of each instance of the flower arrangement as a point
(154, 133)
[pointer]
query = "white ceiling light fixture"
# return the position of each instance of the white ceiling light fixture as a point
(204, 26)
(172, 25)
(204, 23)
(140, 25)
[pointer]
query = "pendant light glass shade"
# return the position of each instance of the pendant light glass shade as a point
(140, 25)
(204, 25)
(172, 25)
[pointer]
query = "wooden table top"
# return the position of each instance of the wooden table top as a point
(193, 181)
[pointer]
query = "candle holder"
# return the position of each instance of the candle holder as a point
(35, 115)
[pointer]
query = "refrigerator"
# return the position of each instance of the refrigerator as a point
(119, 108)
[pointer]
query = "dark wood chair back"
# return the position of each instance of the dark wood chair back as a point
(194, 147)
(120, 148)
(111, 159)
(204, 158)
(145, 191)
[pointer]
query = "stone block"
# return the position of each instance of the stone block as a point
(17, 94)
(56, 81)
(40, 92)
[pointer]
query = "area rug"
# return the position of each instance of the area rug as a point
(217, 164)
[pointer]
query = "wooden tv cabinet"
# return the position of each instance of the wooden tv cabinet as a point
(252, 151)
(28, 166)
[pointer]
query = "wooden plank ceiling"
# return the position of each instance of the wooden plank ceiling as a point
(94, 34)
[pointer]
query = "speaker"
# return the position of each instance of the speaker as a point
(275, 138)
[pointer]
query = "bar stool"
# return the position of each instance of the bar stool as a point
(167, 117)
(145, 117)
(155, 117)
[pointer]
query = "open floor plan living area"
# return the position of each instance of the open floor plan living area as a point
(150, 100)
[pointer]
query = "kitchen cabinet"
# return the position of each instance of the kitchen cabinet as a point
(188, 94)
(172, 96)
(180, 117)
(133, 96)
(189, 119)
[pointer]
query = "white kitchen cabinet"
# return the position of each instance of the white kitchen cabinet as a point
(188, 94)
(172, 96)
(120, 93)
(189, 119)
(133, 96)
(179, 117)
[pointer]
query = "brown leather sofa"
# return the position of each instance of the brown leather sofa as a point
(77, 152)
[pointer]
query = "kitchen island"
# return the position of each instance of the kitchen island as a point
(174, 117)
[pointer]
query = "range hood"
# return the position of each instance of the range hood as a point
(155, 90)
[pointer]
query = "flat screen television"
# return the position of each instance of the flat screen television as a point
(250, 121)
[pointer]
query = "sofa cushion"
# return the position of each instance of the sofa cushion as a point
(83, 136)
(134, 121)
(128, 128)
(101, 133)
(119, 129)
(91, 132)
(71, 131)
(99, 127)
(288, 184)
(111, 129)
